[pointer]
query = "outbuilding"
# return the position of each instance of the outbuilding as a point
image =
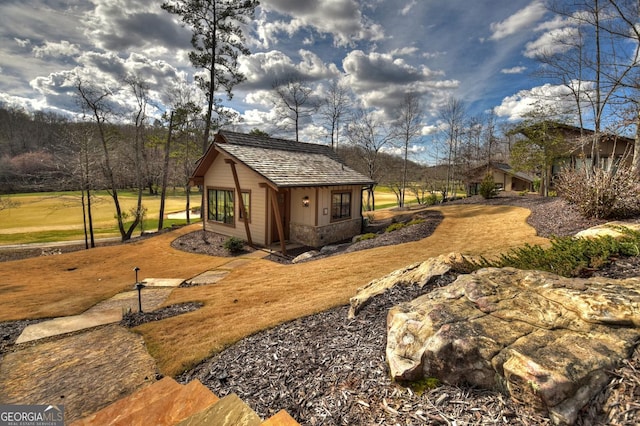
(267, 190)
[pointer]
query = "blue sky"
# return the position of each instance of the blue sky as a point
(479, 51)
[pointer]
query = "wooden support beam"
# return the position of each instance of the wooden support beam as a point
(245, 215)
(276, 212)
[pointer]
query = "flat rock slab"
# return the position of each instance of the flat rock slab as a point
(106, 312)
(236, 263)
(163, 282)
(547, 340)
(68, 324)
(85, 372)
(417, 273)
(208, 277)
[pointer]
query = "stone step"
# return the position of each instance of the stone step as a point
(229, 411)
(191, 398)
(133, 402)
(166, 402)
(281, 418)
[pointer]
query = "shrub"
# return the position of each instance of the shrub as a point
(431, 199)
(415, 221)
(601, 193)
(567, 256)
(488, 188)
(394, 227)
(367, 236)
(234, 245)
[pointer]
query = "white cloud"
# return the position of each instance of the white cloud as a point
(22, 43)
(514, 70)
(520, 21)
(263, 69)
(552, 42)
(342, 19)
(554, 97)
(405, 51)
(381, 80)
(407, 9)
(52, 49)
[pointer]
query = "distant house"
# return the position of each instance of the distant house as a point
(610, 150)
(266, 190)
(504, 177)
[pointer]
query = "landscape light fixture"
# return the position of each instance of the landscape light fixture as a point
(139, 286)
(305, 201)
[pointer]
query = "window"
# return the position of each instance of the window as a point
(246, 199)
(220, 205)
(340, 205)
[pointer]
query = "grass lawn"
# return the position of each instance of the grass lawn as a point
(251, 298)
(45, 217)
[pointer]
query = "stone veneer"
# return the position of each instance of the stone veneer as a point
(318, 236)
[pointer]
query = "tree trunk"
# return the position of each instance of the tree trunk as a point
(165, 174)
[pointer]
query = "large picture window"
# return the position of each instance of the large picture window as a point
(221, 205)
(340, 205)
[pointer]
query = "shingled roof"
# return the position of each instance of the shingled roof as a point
(287, 163)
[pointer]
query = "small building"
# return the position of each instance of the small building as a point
(505, 178)
(266, 190)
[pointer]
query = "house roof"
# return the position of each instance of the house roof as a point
(503, 167)
(507, 169)
(283, 163)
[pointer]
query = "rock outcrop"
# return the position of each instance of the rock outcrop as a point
(417, 273)
(612, 229)
(546, 340)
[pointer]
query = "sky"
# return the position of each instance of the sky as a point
(478, 51)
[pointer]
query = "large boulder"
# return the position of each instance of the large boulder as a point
(417, 273)
(546, 340)
(611, 229)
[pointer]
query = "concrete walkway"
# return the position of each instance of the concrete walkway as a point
(106, 312)
(110, 311)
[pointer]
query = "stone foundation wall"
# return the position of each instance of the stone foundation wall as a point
(318, 236)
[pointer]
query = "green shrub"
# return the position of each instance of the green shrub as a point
(431, 199)
(567, 256)
(415, 221)
(395, 226)
(488, 188)
(367, 236)
(234, 245)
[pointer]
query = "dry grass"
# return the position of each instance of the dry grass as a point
(249, 299)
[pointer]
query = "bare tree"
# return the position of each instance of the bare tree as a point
(370, 135)
(597, 60)
(96, 105)
(81, 159)
(453, 115)
(407, 128)
(294, 101)
(334, 107)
